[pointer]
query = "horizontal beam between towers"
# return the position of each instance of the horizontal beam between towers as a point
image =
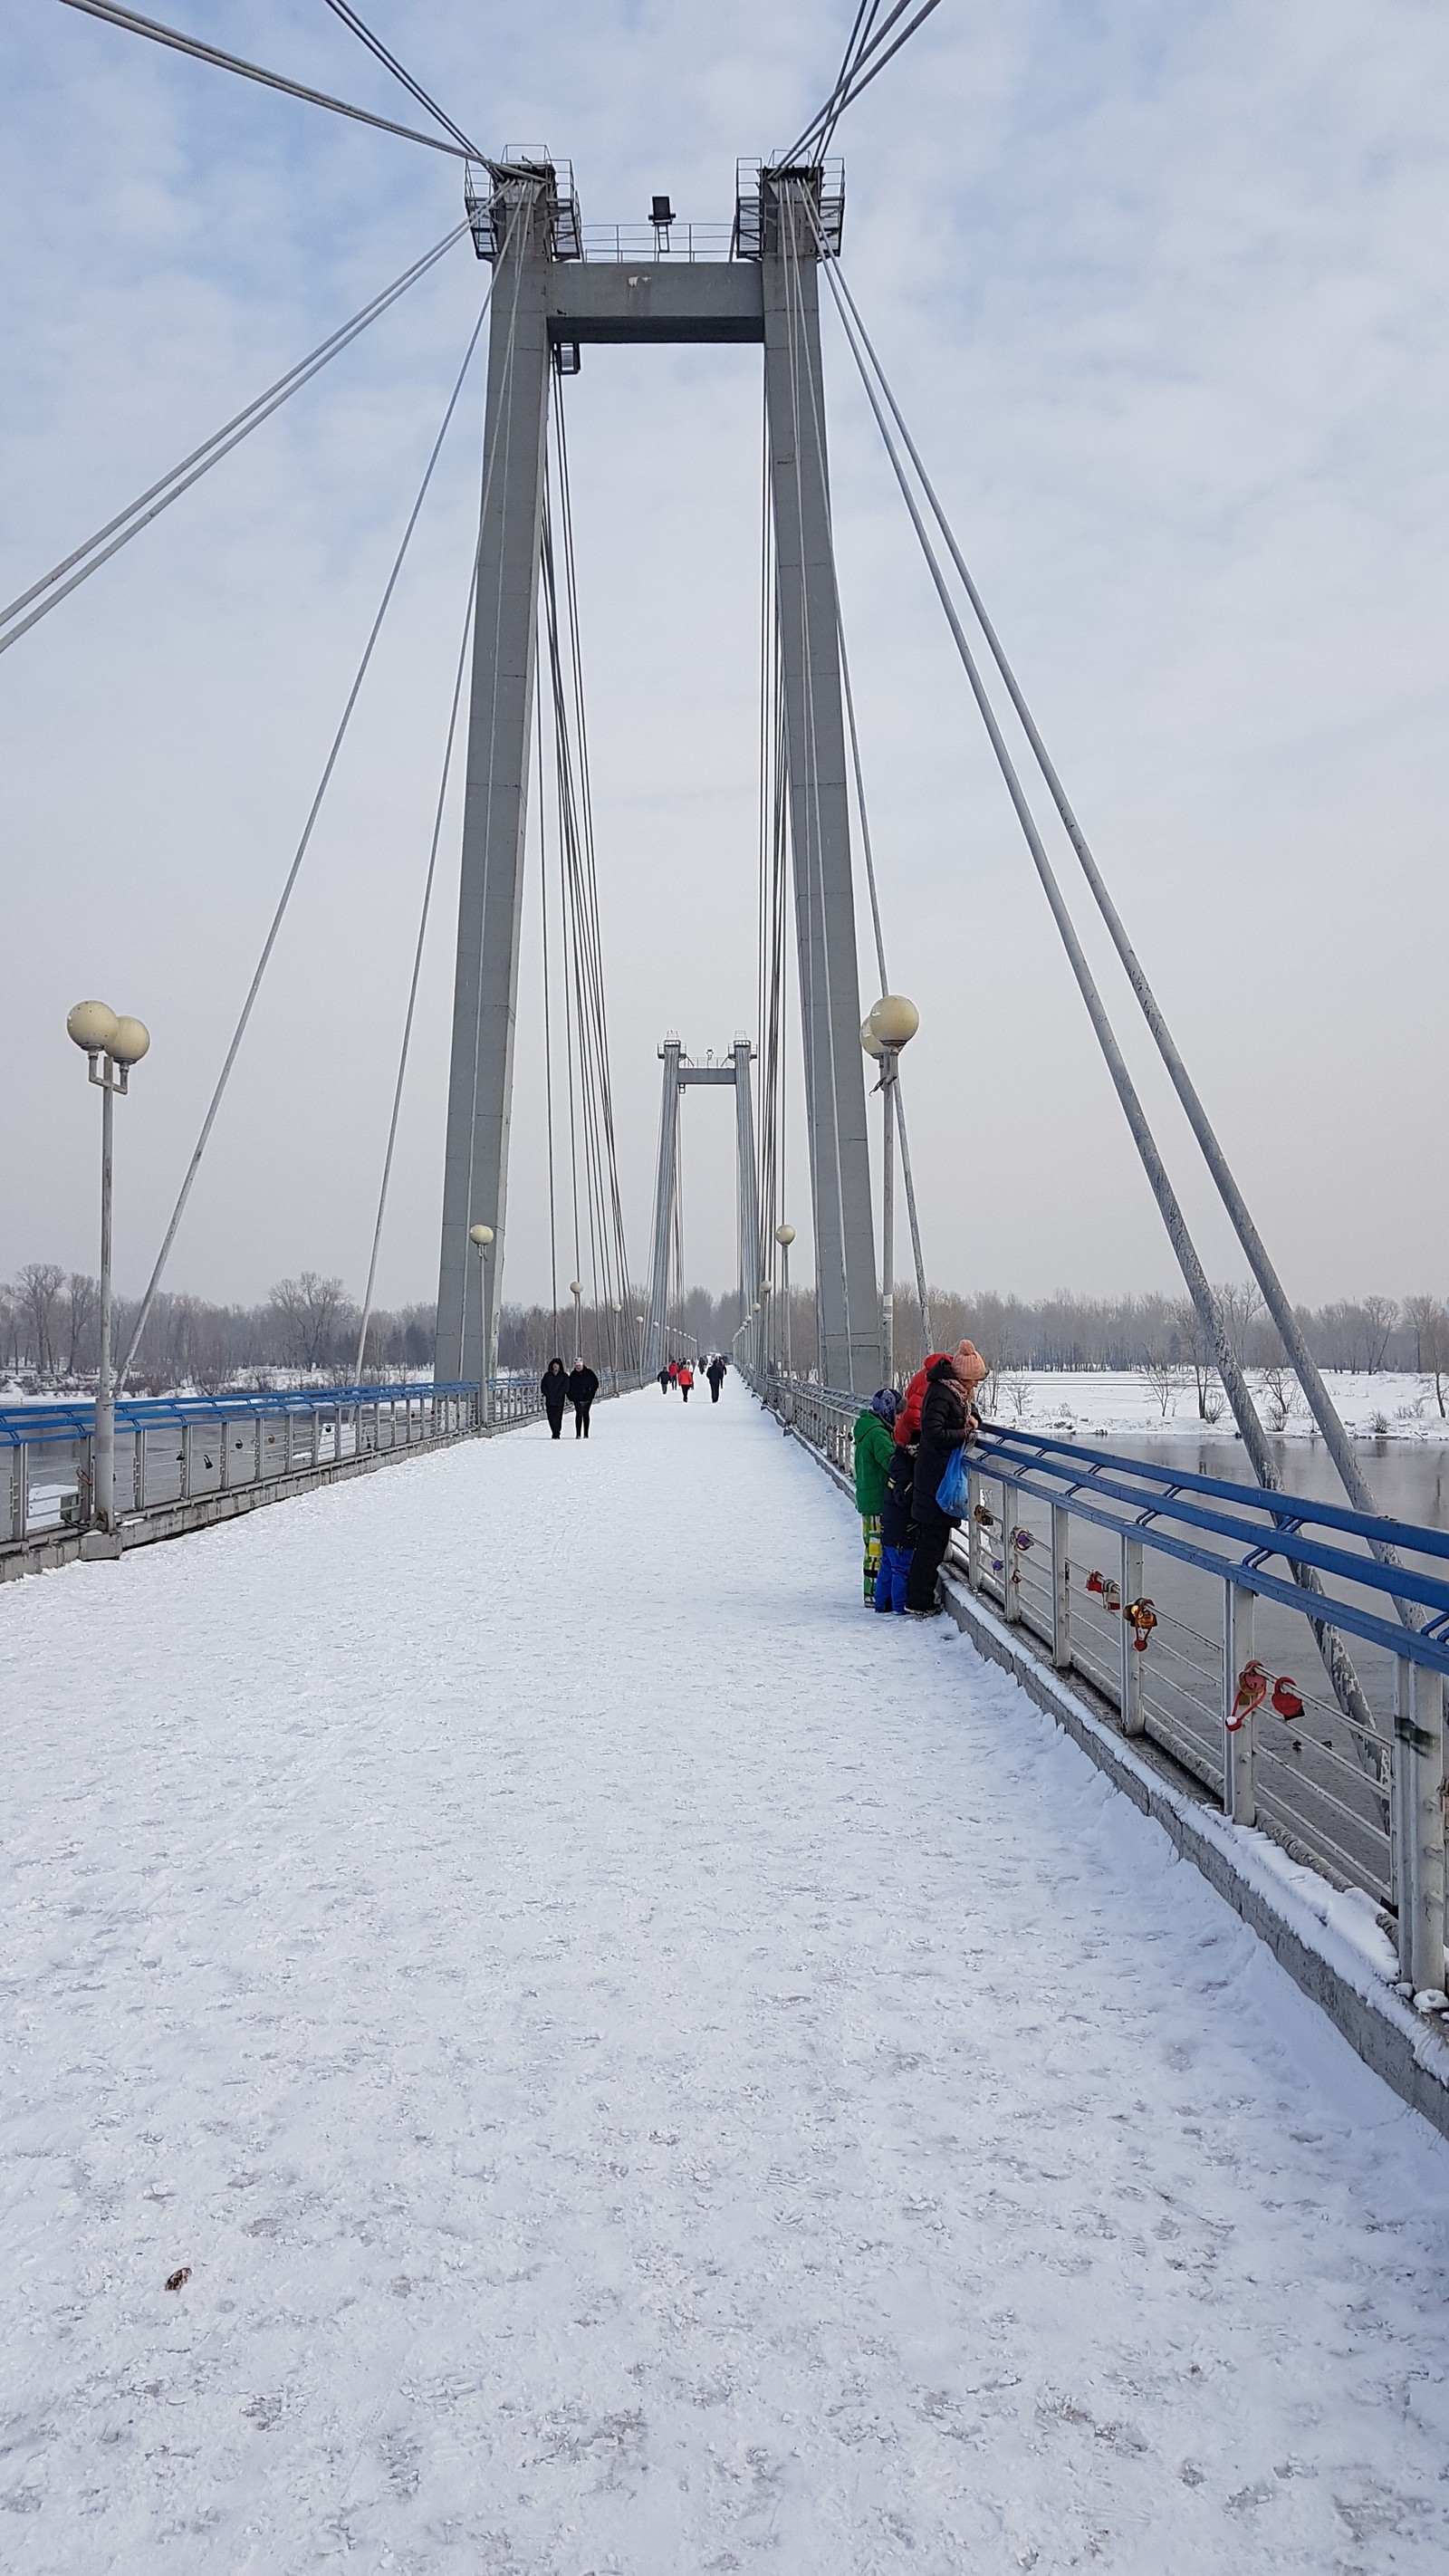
(660, 300)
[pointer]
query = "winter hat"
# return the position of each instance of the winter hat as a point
(968, 1365)
(886, 1403)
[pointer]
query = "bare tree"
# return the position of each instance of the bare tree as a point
(1380, 1315)
(1241, 1309)
(1419, 1315)
(1280, 1388)
(1433, 1344)
(1164, 1378)
(40, 1285)
(308, 1310)
(1195, 1343)
(83, 1306)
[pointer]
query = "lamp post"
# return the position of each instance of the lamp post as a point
(891, 1025)
(785, 1236)
(576, 1290)
(112, 1045)
(480, 1236)
(616, 1308)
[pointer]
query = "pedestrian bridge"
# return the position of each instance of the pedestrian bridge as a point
(644, 2066)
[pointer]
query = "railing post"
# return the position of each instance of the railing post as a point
(1239, 1796)
(1061, 1592)
(138, 1465)
(1134, 1719)
(1419, 1823)
(258, 1461)
(973, 1530)
(187, 1435)
(225, 1453)
(1010, 1592)
(20, 1490)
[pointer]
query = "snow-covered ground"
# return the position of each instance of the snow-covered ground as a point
(652, 2068)
(1392, 1404)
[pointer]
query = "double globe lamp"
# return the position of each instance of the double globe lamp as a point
(112, 1041)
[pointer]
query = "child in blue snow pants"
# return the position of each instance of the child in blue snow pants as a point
(890, 1583)
(897, 1535)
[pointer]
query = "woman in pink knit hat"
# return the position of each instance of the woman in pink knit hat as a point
(946, 1420)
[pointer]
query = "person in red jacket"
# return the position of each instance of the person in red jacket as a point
(908, 1420)
(686, 1380)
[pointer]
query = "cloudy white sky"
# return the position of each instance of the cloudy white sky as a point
(1163, 292)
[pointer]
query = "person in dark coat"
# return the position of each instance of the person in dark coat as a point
(946, 1420)
(581, 1386)
(716, 1376)
(553, 1386)
(897, 1530)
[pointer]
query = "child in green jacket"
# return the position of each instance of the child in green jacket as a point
(874, 1450)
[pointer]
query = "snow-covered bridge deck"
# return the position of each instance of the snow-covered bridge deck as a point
(652, 2069)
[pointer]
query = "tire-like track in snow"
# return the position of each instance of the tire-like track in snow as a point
(653, 2069)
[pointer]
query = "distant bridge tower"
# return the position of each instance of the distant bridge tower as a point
(679, 1073)
(547, 301)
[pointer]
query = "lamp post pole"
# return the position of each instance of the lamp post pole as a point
(785, 1236)
(890, 1026)
(113, 1043)
(480, 1236)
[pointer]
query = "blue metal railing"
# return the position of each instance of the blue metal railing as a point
(1260, 1525)
(1350, 1778)
(75, 1418)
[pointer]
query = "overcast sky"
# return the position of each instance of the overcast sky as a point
(1163, 292)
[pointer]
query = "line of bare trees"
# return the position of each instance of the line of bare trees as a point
(50, 1334)
(50, 1323)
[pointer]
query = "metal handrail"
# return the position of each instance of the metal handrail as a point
(1389, 1837)
(21, 1424)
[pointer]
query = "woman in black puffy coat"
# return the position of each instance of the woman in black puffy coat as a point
(946, 1420)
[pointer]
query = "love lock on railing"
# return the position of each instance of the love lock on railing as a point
(1144, 1620)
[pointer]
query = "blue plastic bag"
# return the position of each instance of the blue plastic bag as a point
(953, 1493)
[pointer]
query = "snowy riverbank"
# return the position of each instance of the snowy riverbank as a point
(1390, 1405)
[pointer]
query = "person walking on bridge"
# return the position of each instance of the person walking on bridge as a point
(553, 1386)
(946, 1420)
(874, 1449)
(716, 1375)
(581, 1386)
(686, 1380)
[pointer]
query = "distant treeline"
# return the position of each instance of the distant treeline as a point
(49, 1331)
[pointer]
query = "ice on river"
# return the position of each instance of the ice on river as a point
(652, 2068)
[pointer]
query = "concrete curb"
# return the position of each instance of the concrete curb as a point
(1410, 2052)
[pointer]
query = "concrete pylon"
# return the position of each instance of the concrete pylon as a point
(500, 707)
(679, 1076)
(809, 641)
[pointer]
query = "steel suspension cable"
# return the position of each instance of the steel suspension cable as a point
(137, 26)
(857, 77)
(402, 1065)
(896, 1105)
(1305, 1367)
(604, 1125)
(897, 1098)
(148, 506)
(1347, 1687)
(294, 871)
(376, 47)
